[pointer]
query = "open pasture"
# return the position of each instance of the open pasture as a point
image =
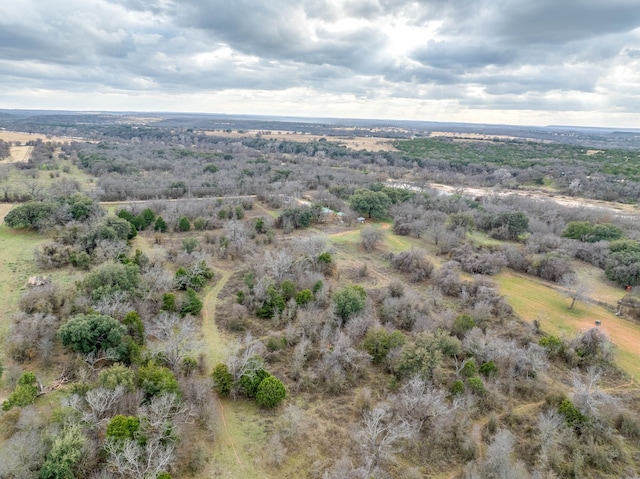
(535, 300)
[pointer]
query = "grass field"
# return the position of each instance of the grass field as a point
(16, 263)
(534, 300)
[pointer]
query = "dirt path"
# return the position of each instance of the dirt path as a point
(231, 454)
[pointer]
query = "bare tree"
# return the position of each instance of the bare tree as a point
(587, 396)
(161, 418)
(574, 289)
(552, 434)
(379, 435)
(175, 337)
(370, 237)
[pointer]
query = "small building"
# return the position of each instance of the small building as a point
(629, 307)
(360, 219)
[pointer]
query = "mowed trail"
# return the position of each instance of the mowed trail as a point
(231, 453)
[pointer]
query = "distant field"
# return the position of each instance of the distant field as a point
(20, 153)
(370, 143)
(24, 137)
(532, 299)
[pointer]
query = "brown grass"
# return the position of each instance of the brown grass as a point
(369, 143)
(20, 153)
(24, 137)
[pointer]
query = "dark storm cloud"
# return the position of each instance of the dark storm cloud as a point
(480, 53)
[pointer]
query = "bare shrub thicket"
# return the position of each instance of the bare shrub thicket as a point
(414, 263)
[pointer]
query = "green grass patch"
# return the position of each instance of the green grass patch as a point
(16, 264)
(533, 300)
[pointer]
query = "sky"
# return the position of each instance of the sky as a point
(528, 62)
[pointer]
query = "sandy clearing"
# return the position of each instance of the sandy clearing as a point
(609, 207)
(369, 143)
(19, 154)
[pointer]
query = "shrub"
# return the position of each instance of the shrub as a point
(457, 388)
(24, 393)
(90, 333)
(251, 381)
(488, 369)
(160, 225)
(135, 327)
(123, 427)
(476, 385)
(271, 392)
(572, 414)
(370, 237)
(553, 344)
(462, 324)
(109, 278)
(117, 375)
(469, 369)
(184, 224)
(349, 301)
(273, 303)
(155, 380)
(304, 297)
(222, 380)
(189, 245)
(414, 263)
(191, 303)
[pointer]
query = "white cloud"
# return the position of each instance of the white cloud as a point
(503, 61)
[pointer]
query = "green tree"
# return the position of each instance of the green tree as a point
(191, 303)
(160, 225)
(578, 230)
(420, 357)
(304, 297)
(349, 301)
(375, 204)
(252, 380)
(117, 375)
(135, 327)
(572, 414)
(378, 342)
(109, 278)
(462, 324)
(123, 427)
(273, 303)
(155, 380)
(82, 207)
(184, 224)
(169, 302)
(31, 215)
(288, 289)
(90, 333)
(222, 380)
(65, 454)
(271, 392)
(623, 263)
(476, 385)
(24, 393)
(510, 225)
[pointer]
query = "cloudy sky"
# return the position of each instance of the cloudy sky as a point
(531, 62)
